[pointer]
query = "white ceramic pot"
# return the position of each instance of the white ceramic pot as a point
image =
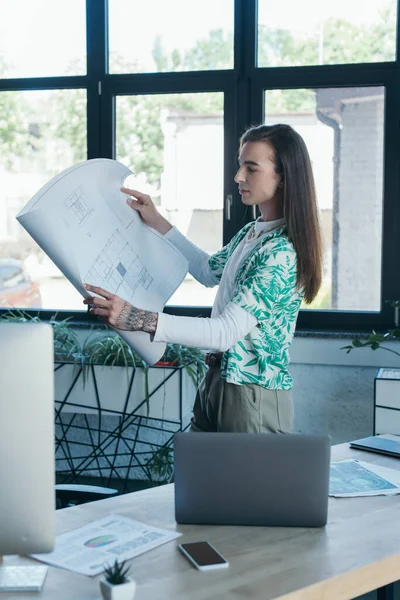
(123, 591)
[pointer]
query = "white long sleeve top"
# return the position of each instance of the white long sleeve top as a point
(228, 322)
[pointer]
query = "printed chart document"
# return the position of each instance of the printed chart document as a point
(357, 478)
(385, 373)
(91, 548)
(82, 222)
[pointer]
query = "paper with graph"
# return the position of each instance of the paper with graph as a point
(81, 220)
(92, 547)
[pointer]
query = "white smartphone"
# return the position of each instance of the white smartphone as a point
(203, 556)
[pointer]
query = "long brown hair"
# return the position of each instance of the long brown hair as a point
(300, 211)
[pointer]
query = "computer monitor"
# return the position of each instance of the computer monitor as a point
(27, 457)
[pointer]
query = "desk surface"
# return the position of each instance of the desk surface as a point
(358, 551)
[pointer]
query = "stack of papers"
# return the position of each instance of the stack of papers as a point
(89, 549)
(350, 478)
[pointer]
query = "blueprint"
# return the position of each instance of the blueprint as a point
(82, 222)
(352, 477)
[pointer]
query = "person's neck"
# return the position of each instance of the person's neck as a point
(271, 211)
(271, 216)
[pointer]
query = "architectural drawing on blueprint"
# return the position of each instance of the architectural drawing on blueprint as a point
(118, 268)
(80, 219)
(78, 206)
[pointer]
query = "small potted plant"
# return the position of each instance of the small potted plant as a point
(116, 584)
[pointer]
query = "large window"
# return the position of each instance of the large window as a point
(44, 132)
(167, 87)
(314, 32)
(181, 165)
(42, 38)
(343, 129)
(170, 35)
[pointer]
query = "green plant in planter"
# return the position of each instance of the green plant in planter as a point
(116, 583)
(117, 573)
(161, 464)
(111, 350)
(192, 359)
(66, 344)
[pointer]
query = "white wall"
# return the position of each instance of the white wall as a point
(334, 391)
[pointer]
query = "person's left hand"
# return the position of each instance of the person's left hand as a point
(118, 313)
(108, 308)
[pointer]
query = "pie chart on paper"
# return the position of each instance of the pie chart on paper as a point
(101, 540)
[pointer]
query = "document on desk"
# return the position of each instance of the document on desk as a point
(91, 548)
(350, 478)
(81, 220)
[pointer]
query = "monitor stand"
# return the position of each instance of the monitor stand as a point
(21, 578)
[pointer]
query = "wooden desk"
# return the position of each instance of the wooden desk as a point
(358, 551)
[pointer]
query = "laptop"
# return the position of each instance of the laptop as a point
(378, 444)
(252, 479)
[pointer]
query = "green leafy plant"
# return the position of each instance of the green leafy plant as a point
(161, 464)
(19, 316)
(117, 573)
(375, 340)
(109, 349)
(192, 359)
(66, 343)
(106, 348)
(112, 350)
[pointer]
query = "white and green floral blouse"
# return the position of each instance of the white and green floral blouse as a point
(266, 287)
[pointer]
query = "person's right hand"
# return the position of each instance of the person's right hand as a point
(145, 206)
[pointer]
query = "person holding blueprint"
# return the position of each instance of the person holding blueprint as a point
(81, 221)
(263, 274)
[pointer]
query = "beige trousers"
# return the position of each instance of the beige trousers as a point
(223, 406)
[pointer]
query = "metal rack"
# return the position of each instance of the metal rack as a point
(120, 444)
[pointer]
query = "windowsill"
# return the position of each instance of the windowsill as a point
(327, 348)
(331, 335)
(316, 348)
(312, 347)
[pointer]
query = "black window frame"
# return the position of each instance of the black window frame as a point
(243, 88)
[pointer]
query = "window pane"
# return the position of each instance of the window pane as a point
(174, 145)
(316, 32)
(41, 133)
(173, 35)
(42, 38)
(343, 130)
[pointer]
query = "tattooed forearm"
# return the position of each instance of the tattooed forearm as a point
(150, 321)
(135, 319)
